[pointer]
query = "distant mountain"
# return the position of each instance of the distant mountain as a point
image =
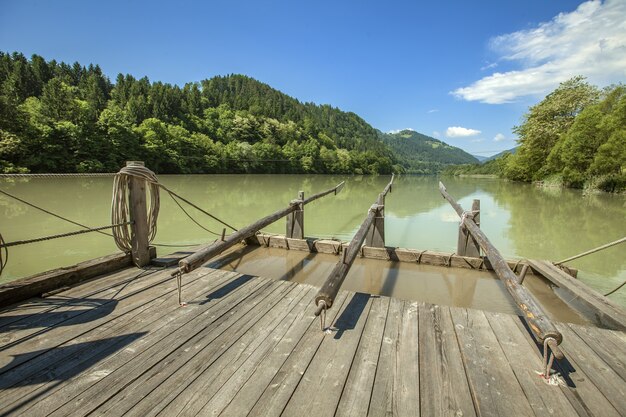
(481, 159)
(422, 154)
(511, 151)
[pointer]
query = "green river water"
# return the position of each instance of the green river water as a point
(523, 221)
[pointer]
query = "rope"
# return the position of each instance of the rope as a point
(615, 289)
(172, 193)
(599, 248)
(119, 204)
(49, 175)
(5, 245)
(4, 254)
(50, 213)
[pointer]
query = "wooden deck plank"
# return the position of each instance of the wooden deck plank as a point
(86, 289)
(327, 373)
(610, 387)
(117, 370)
(607, 345)
(357, 393)
(48, 312)
(382, 400)
(78, 353)
(277, 393)
(233, 354)
(244, 400)
(302, 313)
(206, 374)
(444, 389)
(524, 358)
(494, 387)
(147, 370)
(407, 385)
(127, 299)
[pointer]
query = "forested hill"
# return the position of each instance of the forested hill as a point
(56, 117)
(422, 154)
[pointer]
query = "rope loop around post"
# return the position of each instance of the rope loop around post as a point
(120, 204)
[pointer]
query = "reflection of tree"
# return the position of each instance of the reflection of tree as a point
(553, 225)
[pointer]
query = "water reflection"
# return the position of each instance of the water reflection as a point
(521, 220)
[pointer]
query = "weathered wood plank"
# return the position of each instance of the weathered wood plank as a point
(382, 402)
(597, 372)
(604, 310)
(33, 286)
(443, 383)
(427, 257)
(223, 370)
(31, 378)
(492, 382)
(327, 373)
(357, 393)
(11, 354)
(113, 373)
(407, 385)
(280, 389)
(231, 387)
(524, 358)
(25, 314)
(606, 344)
(305, 326)
(179, 364)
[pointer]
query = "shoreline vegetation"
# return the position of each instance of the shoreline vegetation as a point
(574, 138)
(61, 118)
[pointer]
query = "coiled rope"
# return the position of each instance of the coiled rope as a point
(119, 204)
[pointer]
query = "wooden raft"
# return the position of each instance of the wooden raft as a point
(251, 346)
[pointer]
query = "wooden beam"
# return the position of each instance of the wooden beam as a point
(139, 217)
(593, 304)
(36, 285)
(326, 295)
(532, 312)
(331, 287)
(203, 255)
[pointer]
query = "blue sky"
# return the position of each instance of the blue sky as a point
(463, 71)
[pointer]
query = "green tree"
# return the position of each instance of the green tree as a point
(544, 124)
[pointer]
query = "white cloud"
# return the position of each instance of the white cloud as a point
(432, 111)
(477, 140)
(461, 132)
(590, 41)
(436, 134)
(489, 66)
(499, 137)
(400, 130)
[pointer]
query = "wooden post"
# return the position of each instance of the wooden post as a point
(467, 244)
(532, 312)
(295, 220)
(376, 234)
(139, 217)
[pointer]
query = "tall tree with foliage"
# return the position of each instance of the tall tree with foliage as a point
(542, 127)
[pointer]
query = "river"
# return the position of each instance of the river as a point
(523, 221)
